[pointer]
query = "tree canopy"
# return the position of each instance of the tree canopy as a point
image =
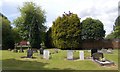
(92, 29)
(116, 30)
(66, 31)
(31, 23)
(48, 39)
(7, 34)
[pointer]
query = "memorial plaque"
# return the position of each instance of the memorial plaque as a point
(70, 54)
(46, 54)
(81, 55)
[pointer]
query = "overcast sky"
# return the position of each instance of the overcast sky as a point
(104, 10)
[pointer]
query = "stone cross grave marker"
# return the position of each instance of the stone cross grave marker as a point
(46, 54)
(81, 55)
(70, 54)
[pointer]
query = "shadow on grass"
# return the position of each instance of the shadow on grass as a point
(13, 65)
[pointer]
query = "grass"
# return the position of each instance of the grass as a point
(58, 61)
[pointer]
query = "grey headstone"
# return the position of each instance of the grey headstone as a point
(104, 50)
(15, 50)
(41, 51)
(21, 50)
(70, 54)
(56, 50)
(29, 53)
(109, 51)
(97, 56)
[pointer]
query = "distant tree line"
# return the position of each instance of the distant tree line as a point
(67, 31)
(116, 30)
(7, 33)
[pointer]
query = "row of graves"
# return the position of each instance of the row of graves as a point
(96, 55)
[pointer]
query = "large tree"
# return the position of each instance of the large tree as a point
(7, 34)
(110, 36)
(31, 23)
(117, 28)
(48, 39)
(66, 31)
(92, 29)
(17, 37)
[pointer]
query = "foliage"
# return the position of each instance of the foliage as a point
(110, 36)
(48, 39)
(17, 37)
(92, 29)
(12, 61)
(117, 28)
(66, 31)
(117, 21)
(116, 32)
(31, 23)
(7, 34)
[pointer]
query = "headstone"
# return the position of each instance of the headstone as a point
(104, 50)
(81, 55)
(15, 50)
(35, 51)
(98, 56)
(93, 51)
(70, 54)
(41, 51)
(9, 49)
(109, 51)
(56, 50)
(29, 53)
(100, 51)
(46, 54)
(21, 50)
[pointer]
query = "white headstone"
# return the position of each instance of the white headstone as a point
(70, 54)
(109, 51)
(46, 54)
(104, 50)
(81, 55)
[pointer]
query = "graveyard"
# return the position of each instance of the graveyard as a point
(35, 36)
(56, 61)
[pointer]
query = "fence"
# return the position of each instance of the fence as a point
(105, 43)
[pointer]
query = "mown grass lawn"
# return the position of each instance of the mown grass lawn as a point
(58, 61)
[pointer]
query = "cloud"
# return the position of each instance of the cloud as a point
(105, 11)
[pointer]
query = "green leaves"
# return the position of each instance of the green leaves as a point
(92, 29)
(31, 23)
(66, 31)
(116, 32)
(7, 33)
